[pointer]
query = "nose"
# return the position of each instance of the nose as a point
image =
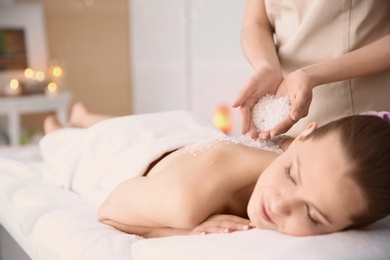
(283, 205)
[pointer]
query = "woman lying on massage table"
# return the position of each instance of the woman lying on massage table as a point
(327, 179)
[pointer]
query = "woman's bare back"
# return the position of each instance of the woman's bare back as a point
(221, 170)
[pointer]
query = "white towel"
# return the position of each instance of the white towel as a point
(94, 161)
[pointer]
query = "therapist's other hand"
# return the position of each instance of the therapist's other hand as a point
(263, 81)
(299, 88)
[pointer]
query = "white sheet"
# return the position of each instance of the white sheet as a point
(49, 219)
(264, 244)
(49, 222)
(53, 223)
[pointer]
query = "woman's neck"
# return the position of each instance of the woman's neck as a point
(255, 161)
(286, 143)
(240, 200)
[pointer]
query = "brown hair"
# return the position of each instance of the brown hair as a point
(366, 142)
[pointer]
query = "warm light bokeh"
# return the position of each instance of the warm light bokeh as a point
(57, 72)
(29, 73)
(223, 119)
(52, 87)
(14, 84)
(40, 75)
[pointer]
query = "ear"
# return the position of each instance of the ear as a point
(309, 129)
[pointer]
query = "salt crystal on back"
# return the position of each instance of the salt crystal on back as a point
(269, 111)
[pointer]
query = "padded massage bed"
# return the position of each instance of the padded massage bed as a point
(49, 222)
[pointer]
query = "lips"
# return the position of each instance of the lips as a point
(264, 212)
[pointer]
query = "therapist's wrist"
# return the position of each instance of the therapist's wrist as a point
(313, 76)
(265, 66)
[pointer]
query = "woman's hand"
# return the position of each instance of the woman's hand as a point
(264, 80)
(222, 224)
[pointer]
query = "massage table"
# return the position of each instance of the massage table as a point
(48, 222)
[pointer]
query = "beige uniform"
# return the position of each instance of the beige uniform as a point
(311, 31)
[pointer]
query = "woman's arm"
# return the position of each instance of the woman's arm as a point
(147, 202)
(147, 232)
(138, 206)
(166, 204)
(214, 224)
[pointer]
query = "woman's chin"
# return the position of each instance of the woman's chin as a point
(260, 223)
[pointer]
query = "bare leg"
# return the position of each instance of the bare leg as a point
(81, 117)
(51, 124)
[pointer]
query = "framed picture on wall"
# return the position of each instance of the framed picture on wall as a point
(23, 41)
(13, 53)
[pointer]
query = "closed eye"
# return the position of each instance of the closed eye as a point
(312, 220)
(288, 175)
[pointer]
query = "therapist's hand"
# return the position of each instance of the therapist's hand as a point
(265, 80)
(299, 88)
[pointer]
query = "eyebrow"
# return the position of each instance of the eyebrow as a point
(299, 177)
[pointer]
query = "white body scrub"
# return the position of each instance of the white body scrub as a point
(269, 111)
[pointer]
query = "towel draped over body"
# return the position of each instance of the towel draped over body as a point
(93, 161)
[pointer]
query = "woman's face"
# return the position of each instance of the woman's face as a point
(306, 190)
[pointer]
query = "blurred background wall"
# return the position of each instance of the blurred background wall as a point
(186, 54)
(90, 40)
(136, 56)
